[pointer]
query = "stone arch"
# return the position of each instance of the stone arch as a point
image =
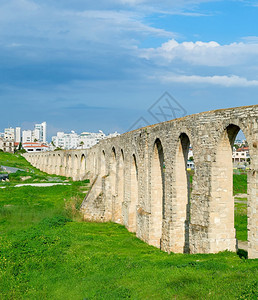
(181, 205)
(157, 193)
(82, 166)
(76, 166)
(64, 164)
(103, 171)
(120, 187)
(134, 190)
(221, 216)
(76, 161)
(112, 181)
(69, 165)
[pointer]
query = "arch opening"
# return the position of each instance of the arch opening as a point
(64, 165)
(157, 194)
(75, 167)
(183, 194)
(133, 195)
(82, 166)
(229, 177)
(103, 164)
(112, 177)
(120, 188)
(241, 165)
(69, 166)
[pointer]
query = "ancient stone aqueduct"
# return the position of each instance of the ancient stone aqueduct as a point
(139, 179)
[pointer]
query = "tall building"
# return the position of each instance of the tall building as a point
(9, 134)
(18, 134)
(12, 134)
(40, 132)
(27, 136)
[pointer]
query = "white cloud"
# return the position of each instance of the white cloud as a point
(226, 81)
(168, 3)
(203, 53)
(36, 23)
(122, 21)
(251, 39)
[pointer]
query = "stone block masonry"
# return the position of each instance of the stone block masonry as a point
(140, 180)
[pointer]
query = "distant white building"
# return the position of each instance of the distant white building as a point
(35, 147)
(241, 155)
(39, 134)
(66, 140)
(7, 145)
(112, 135)
(9, 134)
(190, 153)
(27, 136)
(12, 134)
(74, 141)
(89, 139)
(17, 134)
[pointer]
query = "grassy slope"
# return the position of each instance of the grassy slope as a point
(17, 161)
(46, 252)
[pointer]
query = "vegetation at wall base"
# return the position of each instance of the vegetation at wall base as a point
(48, 252)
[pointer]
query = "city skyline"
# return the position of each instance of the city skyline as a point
(38, 132)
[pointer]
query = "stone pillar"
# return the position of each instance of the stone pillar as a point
(252, 210)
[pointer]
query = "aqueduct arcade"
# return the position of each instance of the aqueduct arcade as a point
(140, 180)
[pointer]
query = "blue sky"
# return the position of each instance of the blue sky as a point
(85, 66)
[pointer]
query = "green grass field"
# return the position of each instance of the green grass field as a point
(47, 252)
(240, 183)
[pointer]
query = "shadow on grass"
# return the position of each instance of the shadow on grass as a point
(242, 253)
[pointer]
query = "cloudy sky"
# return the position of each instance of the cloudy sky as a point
(88, 65)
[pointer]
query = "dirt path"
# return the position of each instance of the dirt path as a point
(37, 184)
(41, 184)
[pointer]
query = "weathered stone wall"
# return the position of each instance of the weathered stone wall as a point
(140, 180)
